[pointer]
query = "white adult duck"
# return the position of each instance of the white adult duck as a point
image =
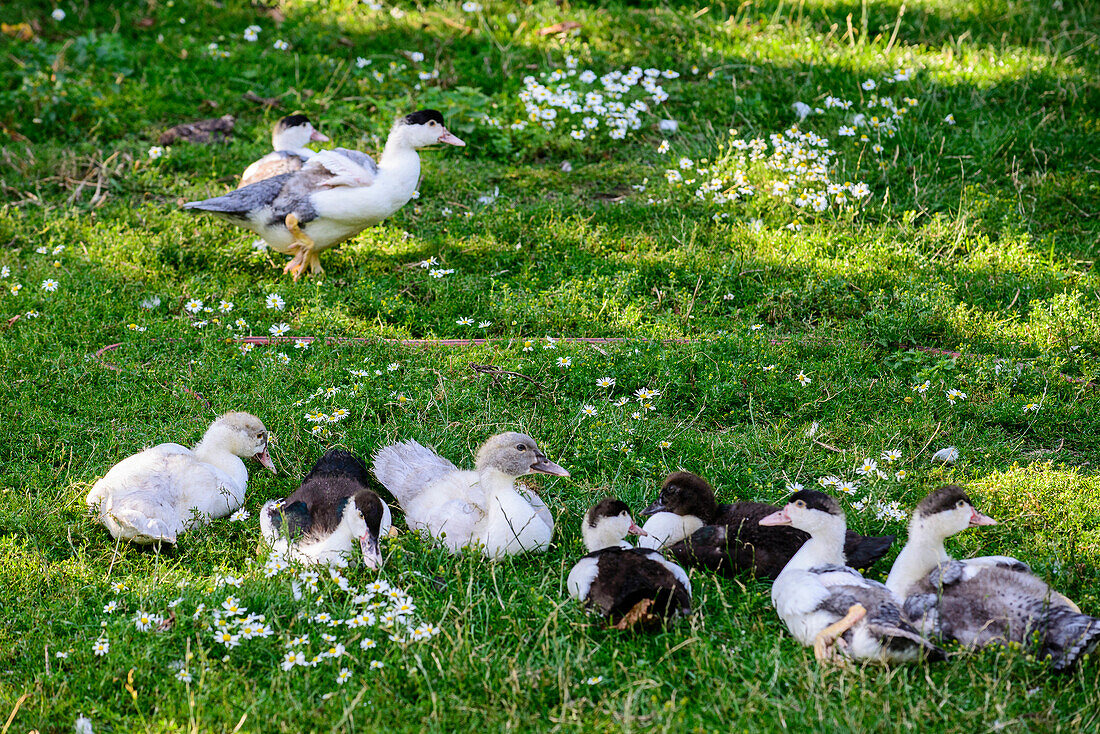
(978, 601)
(336, 195)
(333, 510)
(289, 138)
(153, 496)
(829, 605)
(630, 587)
(481, 508)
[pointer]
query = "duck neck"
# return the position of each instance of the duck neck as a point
(400, 165)
(825, 547)
(922, 552)
(214, 449)
(493, 481)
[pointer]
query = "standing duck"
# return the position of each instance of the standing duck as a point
(978, 601)
(155, 495)
(698, 531)
(322, 520)
(336, 195)
(288, 140)
(628, 586)
(831, 606)
(481, 508)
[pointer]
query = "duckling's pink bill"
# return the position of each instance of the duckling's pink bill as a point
(265, 458)
(977, 518)
(545, 466)
(450, 139)
(635, 530)
(372, 556)
(777, 518)
(320, 138)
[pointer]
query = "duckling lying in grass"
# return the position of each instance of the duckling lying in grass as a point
(630, 587)
(155, 495)
(980, 601)
(831, 606)
(483, 508)
(323, 519)
(697, 531)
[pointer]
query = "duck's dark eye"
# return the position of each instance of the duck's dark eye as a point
(520, 447)
(432, 123)
(799, 503)
(960, 503)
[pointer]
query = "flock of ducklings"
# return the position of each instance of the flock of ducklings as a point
(301, 203)
(804, 547)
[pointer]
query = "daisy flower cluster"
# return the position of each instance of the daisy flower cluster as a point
(368, 618)
(589, 105)
(868, 471)
(797, 166)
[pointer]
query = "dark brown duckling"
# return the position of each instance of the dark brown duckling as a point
(689, 523)
(632, 588)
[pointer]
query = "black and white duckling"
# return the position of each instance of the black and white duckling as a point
(978, 601)
(688, 522)
(828, 604)
(336, 195)
(289, 139)
(628, 586)
(154, 496)
(322, 520)
(483, 508)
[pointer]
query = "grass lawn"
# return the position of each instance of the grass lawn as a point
(801, 303)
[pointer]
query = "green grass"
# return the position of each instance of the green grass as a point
(978, 239)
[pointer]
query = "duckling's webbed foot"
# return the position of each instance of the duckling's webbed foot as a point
(826, 642)
(304, 245)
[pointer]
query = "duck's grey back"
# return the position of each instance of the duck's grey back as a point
(406, 468)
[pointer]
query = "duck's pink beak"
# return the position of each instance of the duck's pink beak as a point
(451, 139)
(777, 518)
(265, 458)
(635, 530)
(318, 136)
(977, 518)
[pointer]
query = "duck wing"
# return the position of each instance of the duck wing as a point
(626, 579)
(272, 164)
(884, 620)
(736, 542)
(994, 601)
(336, 463)
(244, 201)
(407, 468)
(342, 167)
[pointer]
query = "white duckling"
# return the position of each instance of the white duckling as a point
(831, 606)
(154, 496)
(323, 519)
(289, 138)
(480, 508)
(336, 195)
(978, 601)
(628, 586)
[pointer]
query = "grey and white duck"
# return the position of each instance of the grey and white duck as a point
(984, 600)
(630, 587)
(484, 508)
(330, 516)
(336, 195)
(728, 538)
(156, 495)
(830, 605)
(289, 139)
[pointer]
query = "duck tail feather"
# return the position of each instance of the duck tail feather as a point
(1069, 636)
(863, 550)
(406, 468)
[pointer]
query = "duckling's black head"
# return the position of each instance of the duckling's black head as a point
(291, 121)
(814, 500)
(370, 508)
(610, 507)
(811, 511)
(941, 500)
(684, 493)
(423, 128)
(423, 117)
(946, 511)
